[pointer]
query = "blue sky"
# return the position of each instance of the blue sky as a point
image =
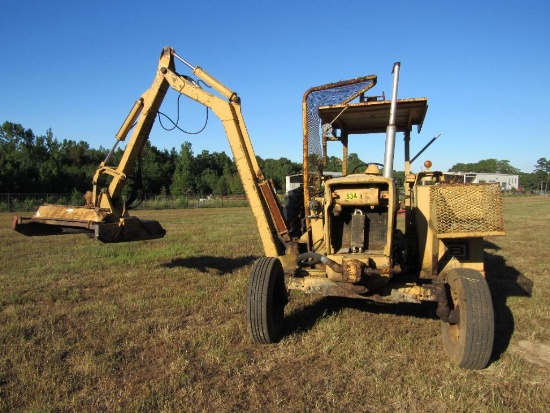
(77, 68)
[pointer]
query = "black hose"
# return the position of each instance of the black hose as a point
(175, 124)
(309, 259)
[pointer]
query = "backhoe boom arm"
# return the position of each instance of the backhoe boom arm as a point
(265, 206)
(105, 212)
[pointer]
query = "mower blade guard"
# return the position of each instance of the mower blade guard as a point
(63, 219)
(128, 229)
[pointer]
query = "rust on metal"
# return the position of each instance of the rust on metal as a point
(353, 270)
(466, 210)
(275, 210)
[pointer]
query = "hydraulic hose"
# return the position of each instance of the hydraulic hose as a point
(309, 259)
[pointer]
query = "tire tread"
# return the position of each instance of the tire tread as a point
(473, 349)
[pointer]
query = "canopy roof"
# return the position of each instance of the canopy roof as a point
(373, 116)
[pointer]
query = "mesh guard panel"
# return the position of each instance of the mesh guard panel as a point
(466, 209)
(332, 94)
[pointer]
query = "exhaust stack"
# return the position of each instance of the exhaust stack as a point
(391, 129)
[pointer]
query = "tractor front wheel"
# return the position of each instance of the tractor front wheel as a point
(266, 298)
(469, 333)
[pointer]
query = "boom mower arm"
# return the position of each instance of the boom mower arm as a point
(105, 212)
(259, 191)
(143, 115)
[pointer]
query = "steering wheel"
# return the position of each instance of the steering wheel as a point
(363, 165)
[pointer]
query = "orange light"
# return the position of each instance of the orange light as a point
(428, 164)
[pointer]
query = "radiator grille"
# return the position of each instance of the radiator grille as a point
(376, 228)
(344, 236)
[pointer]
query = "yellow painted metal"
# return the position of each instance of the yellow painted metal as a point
(438, 216)
(356, 196)
(317, 233)
(343, 186)
(143, 115)
(265, 207)
(66, 212)
(409, 112)
(465, 212)
(459, 210)
(229, 112)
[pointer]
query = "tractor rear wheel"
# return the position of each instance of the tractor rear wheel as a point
(469, 334)
(266, 298)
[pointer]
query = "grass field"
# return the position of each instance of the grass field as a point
(159, 326)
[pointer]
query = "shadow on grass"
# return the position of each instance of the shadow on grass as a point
(504, 281)
(304, 319)
(203, 263)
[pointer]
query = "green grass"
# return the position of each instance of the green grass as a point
(159, 326)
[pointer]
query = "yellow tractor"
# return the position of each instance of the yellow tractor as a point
(337, 234)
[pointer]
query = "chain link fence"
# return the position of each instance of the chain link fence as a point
(13, 202)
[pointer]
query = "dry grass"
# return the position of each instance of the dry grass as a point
(159, 326)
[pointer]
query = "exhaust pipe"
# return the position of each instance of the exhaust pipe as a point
(391, 129)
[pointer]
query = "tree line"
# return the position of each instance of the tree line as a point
(32, 163)
(41, 163)
(538, 179)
